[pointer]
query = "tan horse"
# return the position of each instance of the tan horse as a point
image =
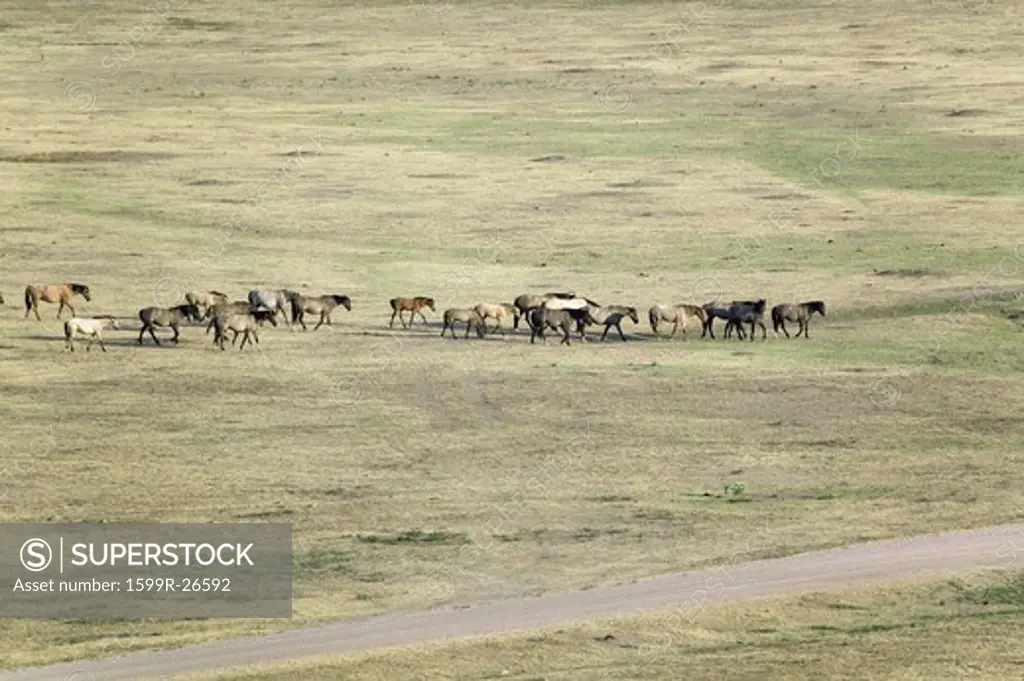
(469, 316)
(676, 315)
(226, 308)
(205, 300)
(320, 305)
(54, 293)
(413, 305)
(245, 323)
(498, 312)
(90, 327)
(169, 317)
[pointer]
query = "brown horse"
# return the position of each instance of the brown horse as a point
(676, 315)
(470, 317)
(170, 317)
(319, 305)
(800, 313)
(54, 293)
(413, 305)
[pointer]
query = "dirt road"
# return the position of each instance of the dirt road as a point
(964, 555)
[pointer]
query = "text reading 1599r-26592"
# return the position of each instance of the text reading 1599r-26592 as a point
(170, 584)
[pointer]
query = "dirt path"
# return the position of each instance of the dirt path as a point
(960, 553)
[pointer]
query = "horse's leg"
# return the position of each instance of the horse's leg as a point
(320, 323)
(175, 328)
(141, 332)
(68, 305)
(782, 325)
(565, 330)
(618, 326)
(61, 309)
(100, 339)
(606, 329)
(155, 340)
(807, 326)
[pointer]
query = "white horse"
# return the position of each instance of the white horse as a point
(279, 301)
(570, 304)
(91, 327)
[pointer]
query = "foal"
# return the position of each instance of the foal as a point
(413, 305)
(91, 327)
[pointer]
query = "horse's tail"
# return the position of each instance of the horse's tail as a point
(68, 330)
(776, 319)
(30, 299)
(652, 317)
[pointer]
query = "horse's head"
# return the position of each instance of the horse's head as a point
(818, 306)
(633, 315)
(343, 300)
(82, 290)
(429, 302)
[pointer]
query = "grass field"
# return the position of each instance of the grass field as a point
(633, 152)
(902, 631)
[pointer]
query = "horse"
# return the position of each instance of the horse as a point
(205, 300)
(676, 315)
(319, 305)
(744, 313)
(712, 313)
(54, 293)
(800, 313)
(528, 301)
(163, 316)
(612, 315)
(413, 305)
(87, 326)
(233, 307)
(498, 312)
(559, 320)
(470, 316)
(245, 323)
(279, 301)
(577, 303)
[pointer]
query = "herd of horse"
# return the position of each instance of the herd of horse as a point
(561, 312)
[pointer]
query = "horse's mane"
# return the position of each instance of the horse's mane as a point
(79, 288)
(591, 302)
(218, 293)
